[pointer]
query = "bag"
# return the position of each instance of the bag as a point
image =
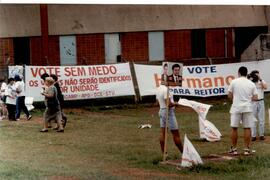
(53, 102)
(4, 98)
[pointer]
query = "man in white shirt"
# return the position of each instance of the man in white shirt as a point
(11, 99)
(20, 100)
(242, 91)
(161, 96)
(258, 106)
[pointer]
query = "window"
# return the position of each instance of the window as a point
(68, 54)
(112, 48)
(156, 46)
(198, 43)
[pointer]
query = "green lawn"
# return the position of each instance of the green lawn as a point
(107, 144)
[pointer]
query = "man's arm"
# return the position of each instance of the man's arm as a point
(255, 97)
(263, 84)
(230, 95)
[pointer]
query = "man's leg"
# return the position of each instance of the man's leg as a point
(24, 108)
(18, 108)
(177, 140)
(247, 135)
(254, 127)
(261, 118)
(234, 136)
(162, 139)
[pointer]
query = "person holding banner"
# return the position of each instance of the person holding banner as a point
(175, 78)
(161, 96)
(258, 106)
(242, 92)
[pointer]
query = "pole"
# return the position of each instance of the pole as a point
(166, 125)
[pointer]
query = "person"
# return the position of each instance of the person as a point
(3, 107)
(164, 75)
(20, 100)
(43, 76)
(60, 97)
(11, 99)
(161, 96)
(175, 78)
(52, 104)
(258, 106)
(242, 92)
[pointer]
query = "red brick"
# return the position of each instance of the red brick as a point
(215, 43)
(229, 43)
(54, 51)
(177, 45)
(6, 50)
(36, 51)
(134, 46)
(90, 49)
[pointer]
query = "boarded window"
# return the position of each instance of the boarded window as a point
(156, 46)
(112, 48)
(68, 54)
(198, 43)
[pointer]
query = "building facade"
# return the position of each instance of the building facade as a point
(102, 34)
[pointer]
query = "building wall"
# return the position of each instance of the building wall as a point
(6, 51)
(177, 44)
(90, 49)
(24, 20)
(83, 19)
(134, 46)
(19, 20)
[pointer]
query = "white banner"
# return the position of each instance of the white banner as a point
(207, 130)
(82, 82)
(190, 156)
(203, 81)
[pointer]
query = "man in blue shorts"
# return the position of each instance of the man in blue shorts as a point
(161, 96)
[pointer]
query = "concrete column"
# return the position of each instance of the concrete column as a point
(44, 33)
(267, 16)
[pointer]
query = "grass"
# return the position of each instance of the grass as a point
(106, 144)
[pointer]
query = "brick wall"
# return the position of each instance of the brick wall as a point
(6, 50)
(177, 45)
(54, 51)
(134, 46)
(90, 49)
(215, 43)
(229, 43)
(36, 51)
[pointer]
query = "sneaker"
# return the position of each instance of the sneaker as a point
(17, 119)
(60, 130)
(262, 138)
(43, 130)
(247, 151)
(55, 128)
(253, 139)
(233, 151)
(29, 117)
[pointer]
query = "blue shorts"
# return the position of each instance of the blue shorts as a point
(172, 125)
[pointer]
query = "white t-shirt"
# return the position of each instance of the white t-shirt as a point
(11, 91)
(242, 90)
(260, 89)
(161, 96)
(3, 88)
(19, 85)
